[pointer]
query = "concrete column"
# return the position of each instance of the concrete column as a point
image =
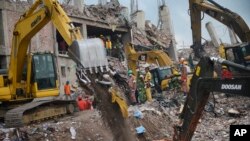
(84, 31)
(232, 36)
(125, 13)
(79, 4)
(139, 18)
(166, 20)
(173, 51)
(213, 34)
(7, 44)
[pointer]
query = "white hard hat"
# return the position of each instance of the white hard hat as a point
(106, 76)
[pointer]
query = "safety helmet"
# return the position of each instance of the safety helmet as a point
(130, 72)
(182, 59)
(224, 67)
(175, 73)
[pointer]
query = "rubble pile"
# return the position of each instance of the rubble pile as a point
(215, 125)
(157, 119)
(109, 13)
(151, 36)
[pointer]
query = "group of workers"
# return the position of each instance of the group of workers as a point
(113, 47)
(140, 87)
(185, 69)
(82, 103)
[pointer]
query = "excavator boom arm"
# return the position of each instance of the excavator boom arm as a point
(223, 15)
(33, 21)
(202, 84)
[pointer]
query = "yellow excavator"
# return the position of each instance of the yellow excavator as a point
(160, 74)
(203, 82)
(34, 75)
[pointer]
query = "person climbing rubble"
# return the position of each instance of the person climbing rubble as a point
(132, 86)
(184, 73)
(147, 80)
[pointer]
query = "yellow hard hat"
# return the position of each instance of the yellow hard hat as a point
(175, 73)
(224, 67)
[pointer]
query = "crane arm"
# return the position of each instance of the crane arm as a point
(40, 13)
(221, 14)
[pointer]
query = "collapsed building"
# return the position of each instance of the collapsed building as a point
(108, 19)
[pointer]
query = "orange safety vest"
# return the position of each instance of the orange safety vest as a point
(67, 89)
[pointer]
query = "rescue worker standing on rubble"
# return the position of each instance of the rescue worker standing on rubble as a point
(132, 86)
(67, 91)
(147, 80)
(140, 88)
(184, 73)
(108, 47)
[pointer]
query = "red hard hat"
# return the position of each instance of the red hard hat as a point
(79, 98)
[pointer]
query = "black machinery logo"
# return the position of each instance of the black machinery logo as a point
(38, 18)
(231, 86)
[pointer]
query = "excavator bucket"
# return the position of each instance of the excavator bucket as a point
(90, 53)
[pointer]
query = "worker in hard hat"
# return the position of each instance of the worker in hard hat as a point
(225, 73)
(184, 73)
(140, 88)
(108, 46)
(67, 91)
(132, 86)
(147, 80)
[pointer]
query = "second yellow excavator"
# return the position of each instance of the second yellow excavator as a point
(160, 74)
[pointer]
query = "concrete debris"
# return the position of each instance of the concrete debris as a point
(109, 13)
(233, 112)
(157, 120)
(151, 37)
(73, 133)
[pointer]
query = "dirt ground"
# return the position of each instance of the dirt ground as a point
(158, 120)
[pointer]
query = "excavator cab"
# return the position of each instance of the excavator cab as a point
(44, 71)
(160, 77)
(239, 53)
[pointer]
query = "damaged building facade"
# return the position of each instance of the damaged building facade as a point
(109, 19)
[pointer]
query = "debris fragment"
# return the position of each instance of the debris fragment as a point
(233, 112)
(140, 130)
(73, 133)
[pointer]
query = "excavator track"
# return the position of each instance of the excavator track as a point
(36, 111)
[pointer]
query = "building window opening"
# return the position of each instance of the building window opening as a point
(3, 64)
(63, 71)
(62, 45)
